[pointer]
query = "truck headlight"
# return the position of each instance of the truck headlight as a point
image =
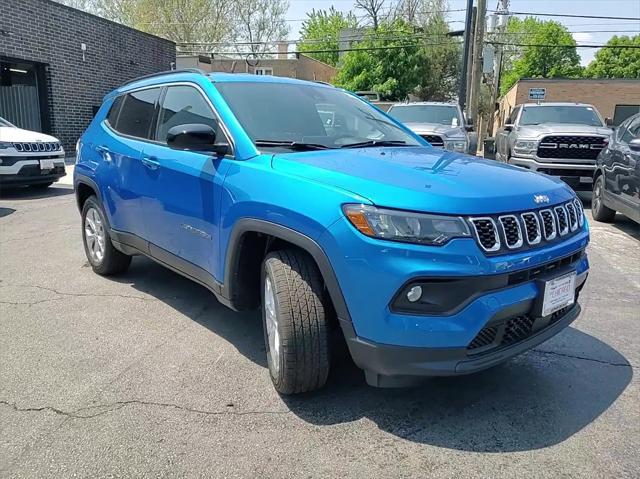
(406, 226)
(525, 147)
(456, 145)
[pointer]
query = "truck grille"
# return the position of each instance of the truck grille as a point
(434, 140)
(37, 146)
(528, 229)
(571, 147)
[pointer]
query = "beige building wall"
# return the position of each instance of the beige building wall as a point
(302, 67)
(603, 94)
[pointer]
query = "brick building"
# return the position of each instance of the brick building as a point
(300, 66)
(617, 99)
(57, 63)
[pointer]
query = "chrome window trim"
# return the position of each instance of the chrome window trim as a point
(520, 241)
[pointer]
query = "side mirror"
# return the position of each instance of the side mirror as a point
(508, 127)
(608, 121)
(469, 125)
(195, 137)
(634, 144)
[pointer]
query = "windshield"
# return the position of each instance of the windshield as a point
(283, 113)
(441, 114)
(4, 122)
(575, 115)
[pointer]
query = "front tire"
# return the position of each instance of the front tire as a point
(103, 257)
(600, 211)
(295, 322)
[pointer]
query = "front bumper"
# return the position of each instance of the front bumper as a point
(28, 172)
(388, 342)
(577, 175)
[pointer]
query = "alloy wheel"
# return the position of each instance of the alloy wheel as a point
(94, 235)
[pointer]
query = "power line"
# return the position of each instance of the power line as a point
(552, 45)
(566, 15)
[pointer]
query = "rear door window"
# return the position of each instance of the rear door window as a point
(112, 117)
(137, 113)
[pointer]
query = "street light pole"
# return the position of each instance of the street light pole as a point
(468, 32)
(478, 44)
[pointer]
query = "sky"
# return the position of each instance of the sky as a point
(584, 30)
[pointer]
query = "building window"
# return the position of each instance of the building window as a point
(263, 71)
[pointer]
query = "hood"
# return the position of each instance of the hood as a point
(538, 131)
(8, 133)
(425, 179)
(436, 129)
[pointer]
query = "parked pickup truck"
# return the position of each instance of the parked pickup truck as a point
(306, 202)
(558, 139)
(442, 124)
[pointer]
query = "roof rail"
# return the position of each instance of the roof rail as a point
(168, 72)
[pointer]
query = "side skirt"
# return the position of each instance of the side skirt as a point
(131, 244)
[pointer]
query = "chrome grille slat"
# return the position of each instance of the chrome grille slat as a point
(531, 227)
(511, 231)
(579, 211)
(573, 217)
(563, 222)
(548, 224)
(486, 233)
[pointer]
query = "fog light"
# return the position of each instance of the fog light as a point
(414, 294)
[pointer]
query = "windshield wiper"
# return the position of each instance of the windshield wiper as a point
(293, 145)
(364, 144)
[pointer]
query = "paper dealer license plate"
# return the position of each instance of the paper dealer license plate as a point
(558, 293)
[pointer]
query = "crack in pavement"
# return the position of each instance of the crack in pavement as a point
(117, 405)
(63, 293)
(583, 358)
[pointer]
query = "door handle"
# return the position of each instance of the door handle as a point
(150, 162)
(105, 152)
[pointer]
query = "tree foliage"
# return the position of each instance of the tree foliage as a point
(259, 21)
(321, 31)
(559, 60)
(617, 62)
(388, 60)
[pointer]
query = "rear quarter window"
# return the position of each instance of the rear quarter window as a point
(112, 116)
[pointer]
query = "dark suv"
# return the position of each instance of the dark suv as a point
(617, 177)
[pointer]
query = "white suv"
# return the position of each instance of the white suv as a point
(28, 157)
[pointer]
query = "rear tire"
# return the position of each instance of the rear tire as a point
(600, 211)
(103, 257)
(296, 328)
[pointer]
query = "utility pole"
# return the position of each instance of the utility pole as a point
(468, 35)
(478, 44)
(469, 60)
(502, 12)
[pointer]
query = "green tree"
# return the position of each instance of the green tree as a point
(617, 62)
(560, 59)
(321, 31)
(441, 57)
(389, 60)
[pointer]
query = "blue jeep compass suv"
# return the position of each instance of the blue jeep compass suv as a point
(308, 202)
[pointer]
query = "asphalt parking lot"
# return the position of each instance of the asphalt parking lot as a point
(145, 374)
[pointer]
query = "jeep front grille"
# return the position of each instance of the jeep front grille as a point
(37, 147)
(434, 140)
(529, 229)
(571, 147)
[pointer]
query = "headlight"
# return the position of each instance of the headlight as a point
(5, 144)
(525, 147)
(456, 145)
(405, 226)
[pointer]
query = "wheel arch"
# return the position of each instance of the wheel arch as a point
(249, 242)
(85, 187)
